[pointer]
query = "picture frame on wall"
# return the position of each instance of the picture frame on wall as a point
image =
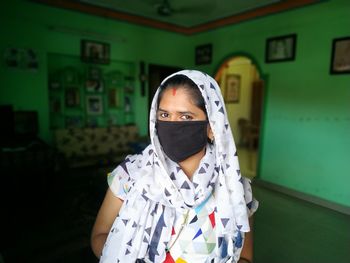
(72, 97)
(94, 105)
(232, 88)
(113, 98)
(95, 52)
(55, 105)
(340, 59)
(94, 85)
(94, 81)
(203, 54)
(21, 58)
(280, 48)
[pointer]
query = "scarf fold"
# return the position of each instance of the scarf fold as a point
(154, 188)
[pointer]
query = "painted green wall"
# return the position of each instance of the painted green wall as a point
(306, 133)
(306, 142)
(27, 25)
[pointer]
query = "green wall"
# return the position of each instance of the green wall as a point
(305, 143)
(27, 25)
(306, 133)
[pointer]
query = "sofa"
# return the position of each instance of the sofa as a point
(96, 146)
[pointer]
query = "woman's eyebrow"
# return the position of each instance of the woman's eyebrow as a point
(186, 112)
(180, 112)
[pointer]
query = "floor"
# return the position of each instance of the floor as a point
(286, 230)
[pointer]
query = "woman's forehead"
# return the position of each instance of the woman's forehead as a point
(176, 95)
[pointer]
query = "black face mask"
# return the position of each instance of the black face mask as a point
(182, 139)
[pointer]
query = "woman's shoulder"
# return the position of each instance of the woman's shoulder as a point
(122, 178)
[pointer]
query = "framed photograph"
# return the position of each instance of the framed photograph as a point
(94, 85)
(72, 97)
(95, 52)
(113, 98)
(55, 105)
(21, 58)
(94, 81)
(94, 104)
(232, 88)
(340, 62)
(281, 48)
(203, 54)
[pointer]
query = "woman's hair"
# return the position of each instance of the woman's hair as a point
(184, 82)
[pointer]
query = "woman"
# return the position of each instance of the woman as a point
(183, 198)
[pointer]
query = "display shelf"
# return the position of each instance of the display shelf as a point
(90, 95)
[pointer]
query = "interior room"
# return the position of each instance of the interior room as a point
(77, 80)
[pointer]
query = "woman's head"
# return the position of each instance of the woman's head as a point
(182, 121)
(181, 87)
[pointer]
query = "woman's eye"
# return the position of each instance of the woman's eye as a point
(186, 117)
(163, 115)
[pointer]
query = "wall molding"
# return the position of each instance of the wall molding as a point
(303, 196)
(278, 7)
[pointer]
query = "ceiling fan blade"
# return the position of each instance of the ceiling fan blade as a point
(164, 8)
(189, 7)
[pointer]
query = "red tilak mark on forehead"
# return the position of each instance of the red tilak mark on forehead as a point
(174, 91)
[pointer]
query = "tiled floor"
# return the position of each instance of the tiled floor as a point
(290, 230)
(287, 230)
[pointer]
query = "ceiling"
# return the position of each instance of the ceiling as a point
(181, 16)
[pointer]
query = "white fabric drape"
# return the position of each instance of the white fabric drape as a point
(154, 188)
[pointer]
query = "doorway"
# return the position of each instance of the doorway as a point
(245, 110)
(156, 74)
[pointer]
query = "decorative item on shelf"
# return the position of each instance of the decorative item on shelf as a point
(203, 54)
(74, 121)
(113, 98)
(143, 78)
(232, 88)
(32, 60)
(94, 85)
(55, 105)
(129, 88)
(94, 73)
(21, 58)
(127, 104)
(340, 61)
(71, 76)
(92, 122)
(129, 84)
(72, 97)
(54, 85)
(55, 82)
(112, 120)
(114, 78)
(95, 52)
(281, 48)
(94, 104)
